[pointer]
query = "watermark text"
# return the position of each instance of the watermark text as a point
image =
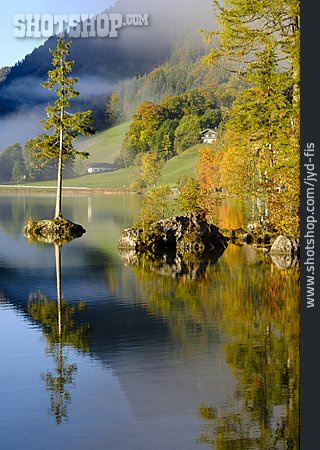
(309, 240)
(76, 25)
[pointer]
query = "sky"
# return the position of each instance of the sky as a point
(14, 49)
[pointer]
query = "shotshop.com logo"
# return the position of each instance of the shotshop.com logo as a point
(76, 25)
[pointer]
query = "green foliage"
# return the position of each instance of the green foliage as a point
(64, 127)
(189, 197)
(150, 167)
(147, 171)
(187, 133)
(18, 171)
(144, 126)
(192, 241)
(12, 165)
(58, 119)
(171, 127)
(207, 412)
(39, 168)
(196, 102)
(164, 139)
(173, 107)
(211, 118)
(156, 205)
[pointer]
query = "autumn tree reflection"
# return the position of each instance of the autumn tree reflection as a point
(247, 298)
(262, 319)
(57, 319)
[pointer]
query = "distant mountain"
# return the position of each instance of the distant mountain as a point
(102, 62)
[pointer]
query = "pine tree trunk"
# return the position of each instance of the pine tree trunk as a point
(58, 212)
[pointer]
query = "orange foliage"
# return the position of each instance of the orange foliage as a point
(208, 168)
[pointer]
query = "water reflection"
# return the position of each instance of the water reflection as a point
(257, 307)
(205, 356)
(262, 320)
(57, 320)
(189, 265)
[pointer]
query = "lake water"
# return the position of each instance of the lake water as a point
(142, 361)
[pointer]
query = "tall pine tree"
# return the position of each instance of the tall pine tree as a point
(64, 126)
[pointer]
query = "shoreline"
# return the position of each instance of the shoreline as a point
(10, 189)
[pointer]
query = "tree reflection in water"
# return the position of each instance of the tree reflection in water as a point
(262, 319)
(57, 320)
(256, 304)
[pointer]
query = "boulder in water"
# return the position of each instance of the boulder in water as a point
(52, 230)
(190, 233)
(285, 244)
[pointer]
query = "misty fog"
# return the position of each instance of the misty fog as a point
(169, 20)
(20, 126)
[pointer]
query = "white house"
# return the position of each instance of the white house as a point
(100, 167)
(208, 136)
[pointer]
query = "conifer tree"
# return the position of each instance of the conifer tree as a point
(64, 127)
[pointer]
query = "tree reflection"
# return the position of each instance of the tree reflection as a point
(187, 266)
(57, 320)
(175, 288)
(256, 304)
(263, 321)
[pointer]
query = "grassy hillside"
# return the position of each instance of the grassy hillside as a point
(181, 165)
(103, 146)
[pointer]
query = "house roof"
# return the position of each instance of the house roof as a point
(209, 129)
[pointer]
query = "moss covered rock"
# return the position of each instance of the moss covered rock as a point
(52, 230)
(184, 234)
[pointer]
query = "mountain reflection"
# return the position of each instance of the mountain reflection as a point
(60, 330)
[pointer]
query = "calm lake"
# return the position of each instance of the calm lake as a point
(142, 361)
